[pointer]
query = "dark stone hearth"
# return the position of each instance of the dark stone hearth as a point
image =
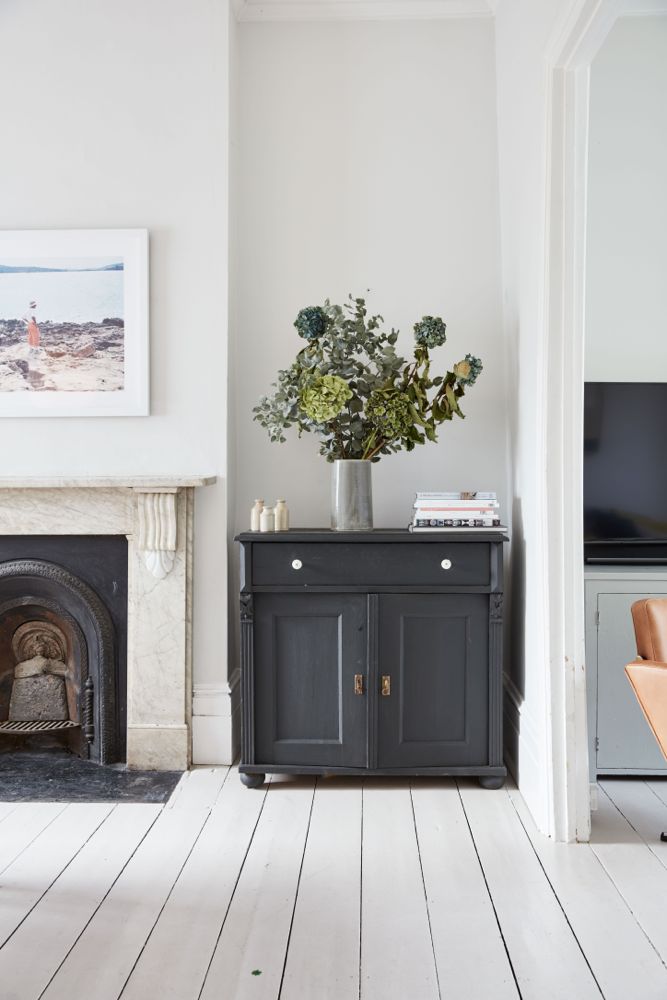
(63, 777)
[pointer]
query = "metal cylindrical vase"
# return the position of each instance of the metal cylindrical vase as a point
(351, 495)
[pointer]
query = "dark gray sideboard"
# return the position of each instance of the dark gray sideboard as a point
(373, 652)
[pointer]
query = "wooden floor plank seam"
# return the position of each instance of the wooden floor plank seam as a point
(99, 905)
(164, 902)
(37, 835)
(298, 883)
(428, 913)
(627, 905)
(489, 893)
(231, 768)
(233, 893)
(4, 813)
(659, 789)
(557, 898)
(621, 894)
(660, 855)
(60, 873)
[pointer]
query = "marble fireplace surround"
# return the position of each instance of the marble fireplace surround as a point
(156, 516)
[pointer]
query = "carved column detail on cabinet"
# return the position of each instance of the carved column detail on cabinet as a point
(248, 676)
(157, 530)
(495, 678)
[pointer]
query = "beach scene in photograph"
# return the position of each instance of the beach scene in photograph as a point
(62, 325)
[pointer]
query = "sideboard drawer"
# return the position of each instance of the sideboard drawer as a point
(330, 564)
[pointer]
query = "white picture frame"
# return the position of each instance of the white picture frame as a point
(58, 356)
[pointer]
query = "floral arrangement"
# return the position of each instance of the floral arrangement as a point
(350, 387)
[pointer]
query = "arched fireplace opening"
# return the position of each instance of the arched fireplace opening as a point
(58, 664)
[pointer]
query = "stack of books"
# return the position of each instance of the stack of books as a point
(438, 510)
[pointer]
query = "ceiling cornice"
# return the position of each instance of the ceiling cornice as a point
(360, 10)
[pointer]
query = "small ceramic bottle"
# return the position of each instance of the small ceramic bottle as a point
(281, 516)
(255, 515)
(267, 520)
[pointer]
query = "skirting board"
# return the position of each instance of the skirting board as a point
(523, 756)
(215, 716)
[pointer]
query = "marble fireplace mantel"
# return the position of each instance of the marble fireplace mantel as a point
(155, 513)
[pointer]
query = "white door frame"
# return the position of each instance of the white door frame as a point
(568, 62)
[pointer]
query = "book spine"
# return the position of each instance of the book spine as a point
(471, 508)
(457, 496)
(452, 522)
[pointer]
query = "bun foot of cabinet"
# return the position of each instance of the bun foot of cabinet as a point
(252, 780)
(491, 782)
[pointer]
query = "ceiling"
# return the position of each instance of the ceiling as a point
(350, 10)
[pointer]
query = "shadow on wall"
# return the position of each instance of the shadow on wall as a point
(515, 663)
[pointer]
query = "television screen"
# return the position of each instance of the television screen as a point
(625, 462)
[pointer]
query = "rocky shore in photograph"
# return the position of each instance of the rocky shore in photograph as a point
(71, 357)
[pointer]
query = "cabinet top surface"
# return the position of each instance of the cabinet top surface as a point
(375, 535)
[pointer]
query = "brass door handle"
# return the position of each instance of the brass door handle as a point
(358, 683)
(386, 686)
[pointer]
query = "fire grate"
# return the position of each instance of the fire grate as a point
(37, 726)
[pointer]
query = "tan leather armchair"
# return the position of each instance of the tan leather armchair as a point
(648, 673)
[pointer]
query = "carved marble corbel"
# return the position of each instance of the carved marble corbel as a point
(157, 530)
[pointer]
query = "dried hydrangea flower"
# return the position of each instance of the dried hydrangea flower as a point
(467, 371)
(324, 398)
(390, 413)
(311, 322)
(430, 331)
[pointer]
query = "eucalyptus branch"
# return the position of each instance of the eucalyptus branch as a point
(350, 387)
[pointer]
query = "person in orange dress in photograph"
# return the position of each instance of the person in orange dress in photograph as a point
(32, 329)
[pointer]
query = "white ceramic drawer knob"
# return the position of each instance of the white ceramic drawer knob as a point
(446, 563)
(296, 564)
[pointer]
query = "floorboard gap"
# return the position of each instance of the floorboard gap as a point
(92, 915)
(488, 889)
(166, 899)
(233, 893)
(428, 912)
(557, 898)
(61, 872)
(296, 894)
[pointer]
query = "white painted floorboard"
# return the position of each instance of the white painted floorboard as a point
(459, 903)
(397, 959)
(249, 958)
(604, 926)
(26, 880)
(33, 954)
(639, 876)
(332, 890)
(176, 957)
(104, 956)
(323, 955)
(547, 960)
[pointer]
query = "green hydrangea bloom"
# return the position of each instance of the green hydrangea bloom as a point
(311, 322)
(390, 413)
(324, 397)
(430, 331)
(468, 371)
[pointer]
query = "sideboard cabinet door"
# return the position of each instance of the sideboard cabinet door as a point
(310, 706)
(433, 711)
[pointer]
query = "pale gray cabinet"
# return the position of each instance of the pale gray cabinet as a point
(620, 740)
(374, 652)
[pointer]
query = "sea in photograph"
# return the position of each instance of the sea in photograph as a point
(62, 296)
(62, 325)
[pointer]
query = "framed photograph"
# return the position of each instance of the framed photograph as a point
(74, 323)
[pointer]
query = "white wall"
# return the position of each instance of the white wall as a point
(524, 32)
(626, 258)
(368, 161)
(115, 115)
